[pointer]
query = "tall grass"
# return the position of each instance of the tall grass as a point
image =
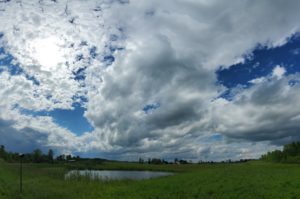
(248, 180)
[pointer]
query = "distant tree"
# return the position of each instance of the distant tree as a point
(164, 161)
(37, 155)
(141, 161)
(2, 152)
(292, 149)
(156, 161)
(176, 160)
(28, 157)
(69, 157)
(77, 158)
(50, 155)
(61, 157)
(183, 161)
(277, 156)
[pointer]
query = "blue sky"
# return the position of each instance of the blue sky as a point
(207, 79)
(261, 63)
(72, 120)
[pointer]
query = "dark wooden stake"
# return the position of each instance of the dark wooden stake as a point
(21, 174)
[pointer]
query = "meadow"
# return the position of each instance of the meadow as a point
(254, 179)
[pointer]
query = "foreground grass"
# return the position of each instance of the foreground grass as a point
(248, 180)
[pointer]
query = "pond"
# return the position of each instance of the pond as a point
(115, 174)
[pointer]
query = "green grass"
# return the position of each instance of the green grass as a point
(247, 180)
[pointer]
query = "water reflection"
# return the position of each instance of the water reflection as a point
(115, 174)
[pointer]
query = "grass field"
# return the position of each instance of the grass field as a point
(247, 180)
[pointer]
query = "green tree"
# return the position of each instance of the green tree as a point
(68, 157)
(61, 157)
(2, 152)
(37, 155)
(50, 155)
(292, 149)
(290, 153)
(77, 158)
(141, 160)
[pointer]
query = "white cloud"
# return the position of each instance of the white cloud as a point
(278, 72)
(165, 52)
(267, 111)
(258, 80)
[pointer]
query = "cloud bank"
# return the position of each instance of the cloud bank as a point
(120, 58)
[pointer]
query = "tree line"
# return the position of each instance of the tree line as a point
(289, 154)
(37, 156)
(161, 161)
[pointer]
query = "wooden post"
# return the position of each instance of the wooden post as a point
(21, 173)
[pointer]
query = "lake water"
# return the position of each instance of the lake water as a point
(116, 174)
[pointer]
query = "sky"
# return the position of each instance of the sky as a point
(123, 79)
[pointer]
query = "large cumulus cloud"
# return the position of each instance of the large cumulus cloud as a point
(267, 111)
(136, 54)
